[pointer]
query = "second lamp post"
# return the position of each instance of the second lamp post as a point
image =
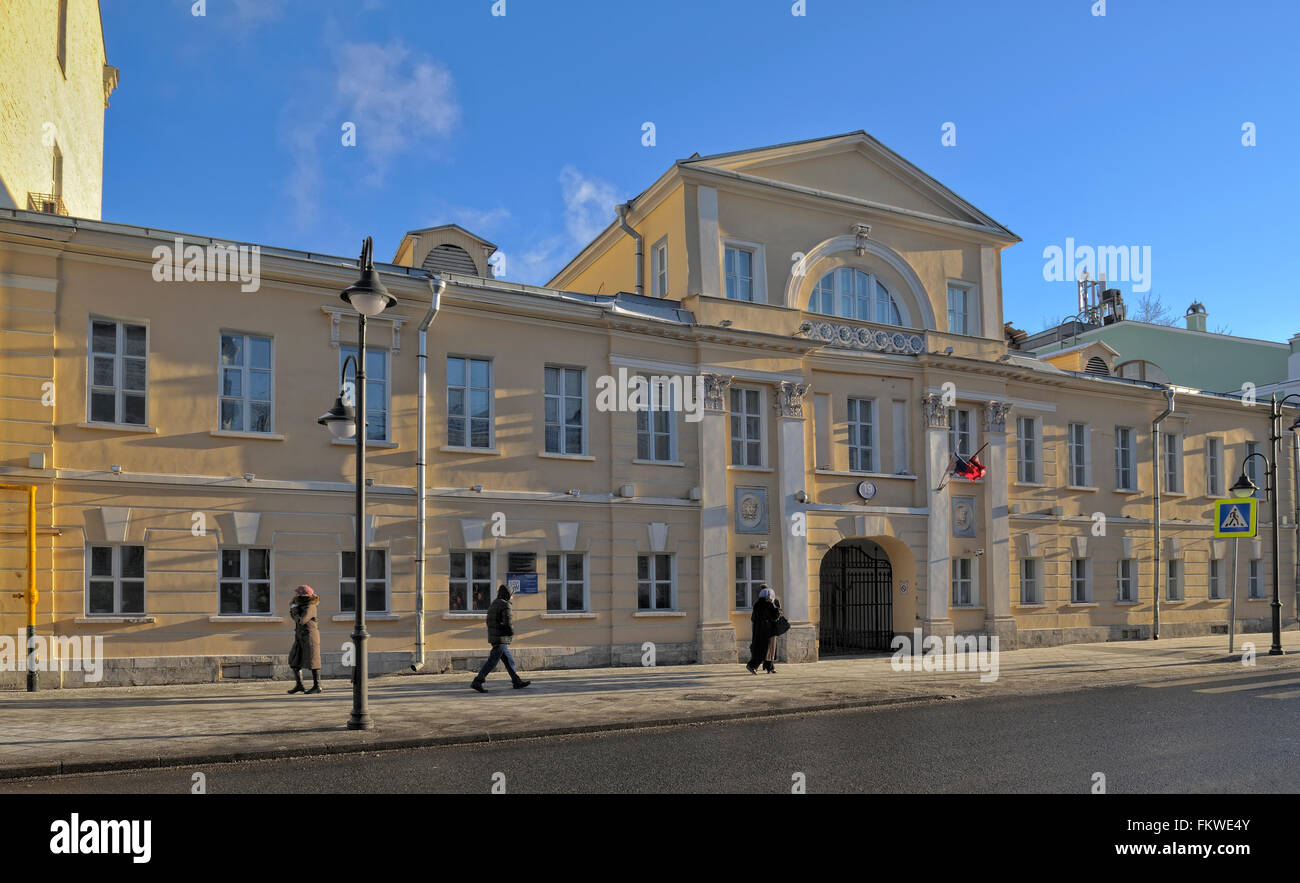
(369, 298)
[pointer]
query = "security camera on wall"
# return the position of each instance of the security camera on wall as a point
(979, 552)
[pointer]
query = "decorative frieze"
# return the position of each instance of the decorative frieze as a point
(865, 337)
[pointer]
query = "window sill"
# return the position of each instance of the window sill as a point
(752, 468)
(110, 618)
(1082, 487)
(905, 476)
(574, 615)
(653, 613)
(640, 462)
(1031, 484)
(250, 617)
(457, 449)
(553, 456)
(1178, 601)
(966, 607)
(120, 427)
(370, 617)
(1082, 604)
(481, 617)
(370, 443)
(230, 433)
(1216, 600)
(1127, 603)
(1132, 492)
(1030, 604)
(1173, 494)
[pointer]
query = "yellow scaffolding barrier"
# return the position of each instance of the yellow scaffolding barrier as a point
(31, 594)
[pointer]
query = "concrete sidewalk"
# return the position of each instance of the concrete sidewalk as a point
(107, 728)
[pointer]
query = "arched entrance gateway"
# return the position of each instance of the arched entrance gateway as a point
(857, 599)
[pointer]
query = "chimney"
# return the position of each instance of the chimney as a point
(1196, 316)
(1293, 361)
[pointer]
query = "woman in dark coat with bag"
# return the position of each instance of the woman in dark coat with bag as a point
(306, 638)
(762, 645)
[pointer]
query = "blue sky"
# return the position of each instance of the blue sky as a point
(1122, 129)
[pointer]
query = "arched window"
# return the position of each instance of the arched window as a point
(854, 294)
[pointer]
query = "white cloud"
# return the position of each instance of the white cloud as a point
(589, 204)
(254, 12)
(397, 100)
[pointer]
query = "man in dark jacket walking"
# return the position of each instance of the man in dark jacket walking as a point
(501, 628)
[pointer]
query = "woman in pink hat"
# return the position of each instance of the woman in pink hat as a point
(306, 638)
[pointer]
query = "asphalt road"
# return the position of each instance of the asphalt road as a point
(1231, 734)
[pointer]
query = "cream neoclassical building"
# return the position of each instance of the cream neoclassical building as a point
(840, 314)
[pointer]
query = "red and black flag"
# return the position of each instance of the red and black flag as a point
(969, 468)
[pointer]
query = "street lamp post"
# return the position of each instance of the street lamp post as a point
(1244, 487)
(369, 298)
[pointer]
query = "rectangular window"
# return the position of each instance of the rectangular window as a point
(246, 384)
(376, 581)
(656, 427)
(469, 402)
(469, 581)
(245, 583)
(1124, 580)
(1125, 478)
(746, 427)
(1080, 591)
(751, 573)
(1079, 460)
(566, 582)
(959, 310)
(119, 372)
(659, 268)
(565, 395)
(1174, 580)
(1027, 440)
(115, 580)
(1213, 466)
(61, 51)
(1252, 465)
(1173, 463)
(963, 582)
(1254, 579)
(654, 582)
(1029, 581)
(1216, 579)
(862, 440)
(738, 268)
(961, 433)
(376, 388)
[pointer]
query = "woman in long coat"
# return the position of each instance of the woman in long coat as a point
(762, 644)
(306, 639)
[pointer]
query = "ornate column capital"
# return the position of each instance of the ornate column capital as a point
(789, 398)
(936, 412)
(715, 391)
(995, 416)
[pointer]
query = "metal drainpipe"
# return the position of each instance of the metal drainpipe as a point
(640, 246)
(436, 287)
(1155, 476)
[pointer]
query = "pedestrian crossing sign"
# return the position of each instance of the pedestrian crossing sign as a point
(1235, 518)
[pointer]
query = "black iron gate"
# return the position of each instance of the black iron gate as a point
(857, 601)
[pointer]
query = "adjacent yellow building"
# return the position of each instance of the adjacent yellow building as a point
(819, 326)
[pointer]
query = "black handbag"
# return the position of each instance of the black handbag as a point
(781, 626)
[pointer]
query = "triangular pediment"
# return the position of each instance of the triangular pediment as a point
(856, 166)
